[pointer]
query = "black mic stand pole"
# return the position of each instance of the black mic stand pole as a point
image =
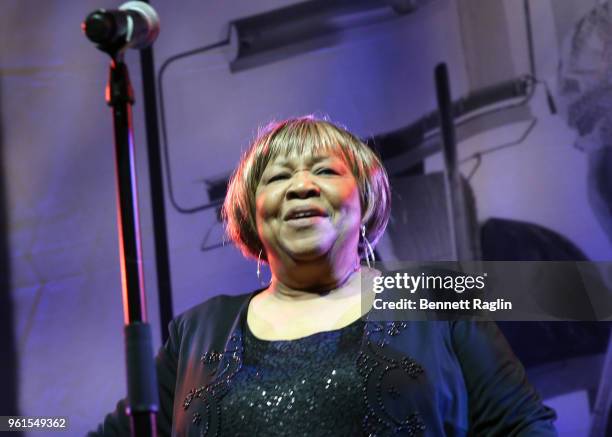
(141, 378)
(459, 229)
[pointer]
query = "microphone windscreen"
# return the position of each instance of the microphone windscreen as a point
(145, 27)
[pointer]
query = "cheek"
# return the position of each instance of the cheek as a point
(259, 206)
(349, 199)
(262, 217)
(260, 214)
(266, 205)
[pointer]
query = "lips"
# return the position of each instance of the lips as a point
(304, 212)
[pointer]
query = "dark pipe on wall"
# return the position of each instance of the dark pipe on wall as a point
(8, 364)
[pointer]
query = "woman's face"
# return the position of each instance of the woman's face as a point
(308, 207)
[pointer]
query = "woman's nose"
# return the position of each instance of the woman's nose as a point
(302, 186)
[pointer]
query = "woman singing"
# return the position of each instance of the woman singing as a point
(300, 356)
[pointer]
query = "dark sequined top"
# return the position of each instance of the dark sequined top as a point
(414, 379)
(304, 387)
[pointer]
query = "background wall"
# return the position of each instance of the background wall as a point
(58, 163)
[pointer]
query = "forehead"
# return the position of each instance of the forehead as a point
(295, 159)
(308, 148)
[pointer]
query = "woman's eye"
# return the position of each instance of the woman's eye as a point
(278, 177)
(326, 170)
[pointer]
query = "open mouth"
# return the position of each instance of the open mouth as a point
(303, 213)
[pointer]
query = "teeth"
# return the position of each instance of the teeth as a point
(303, 214)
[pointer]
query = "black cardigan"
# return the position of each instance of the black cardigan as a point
(420, 378)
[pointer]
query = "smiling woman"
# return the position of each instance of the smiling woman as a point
(301, 197)
(305, 206)
(300, 356)
(322, 149)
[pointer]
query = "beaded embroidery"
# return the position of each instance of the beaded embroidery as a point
(370, 363)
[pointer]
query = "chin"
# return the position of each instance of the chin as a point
(307, 254)
(308, 250)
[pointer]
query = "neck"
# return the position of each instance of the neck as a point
(306, 280)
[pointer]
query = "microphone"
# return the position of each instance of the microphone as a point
(134, 25)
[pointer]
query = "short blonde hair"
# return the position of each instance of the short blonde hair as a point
(299, 136)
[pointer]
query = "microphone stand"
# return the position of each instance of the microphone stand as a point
(142, 398)
(459, 229)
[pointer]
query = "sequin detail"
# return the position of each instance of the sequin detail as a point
(375, 367)
(228, 364)
(211, 357)
(312, 378)
(394, 328)
(304, 387)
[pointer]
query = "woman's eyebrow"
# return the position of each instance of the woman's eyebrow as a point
(280, 162)
(319, 158)
(291, 162)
